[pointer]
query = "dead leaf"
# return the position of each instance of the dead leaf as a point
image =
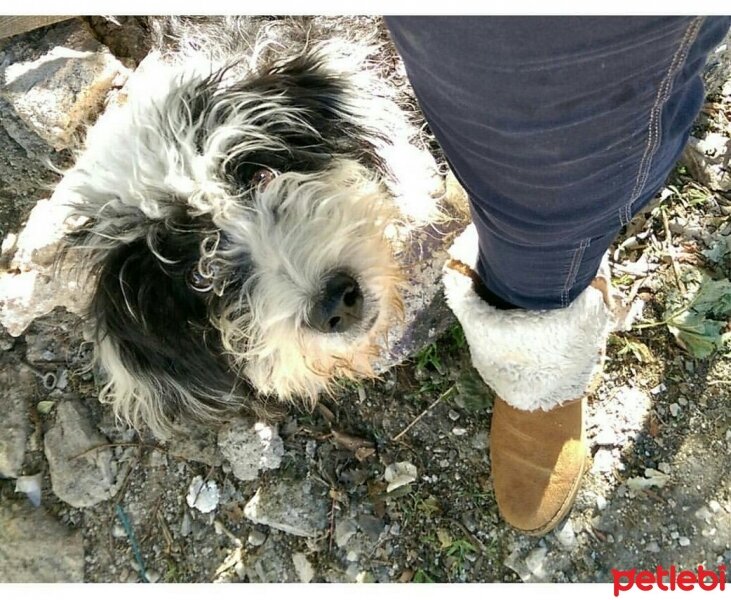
(362, 454)
(350, 442)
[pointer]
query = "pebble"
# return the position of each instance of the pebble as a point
(303, 567)
(566, 536)
(152, 576)
(603, 461)
(118, 531)
(601, 502)
(664, 467)
(400, 474)
(186, 526)
(535, 561)
(652, 547)
(256, 537)
(203, 496)
(30, 485)
(683, 541)
(344, 530)
(714, 506)
(459, 431)
(674, 409)
(454, 415)
(704, 513)
(371, 526)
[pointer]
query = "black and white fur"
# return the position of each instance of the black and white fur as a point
(237, 203)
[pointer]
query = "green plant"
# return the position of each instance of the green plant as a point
(458, 551)
(422, 576)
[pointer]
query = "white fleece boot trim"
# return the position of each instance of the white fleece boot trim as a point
(533, 359)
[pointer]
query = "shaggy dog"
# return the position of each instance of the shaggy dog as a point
(238, 211)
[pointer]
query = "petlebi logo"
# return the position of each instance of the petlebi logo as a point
(670, 579)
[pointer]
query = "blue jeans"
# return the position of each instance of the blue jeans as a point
(560, 129)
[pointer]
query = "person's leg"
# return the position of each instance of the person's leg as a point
(560, 129)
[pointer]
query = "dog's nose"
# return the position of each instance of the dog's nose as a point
(339, 305)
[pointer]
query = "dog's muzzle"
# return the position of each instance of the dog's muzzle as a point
(339, 306)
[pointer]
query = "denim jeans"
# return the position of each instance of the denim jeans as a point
(559, 128)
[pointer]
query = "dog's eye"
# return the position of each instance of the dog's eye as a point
(198, 282)
(263, 177)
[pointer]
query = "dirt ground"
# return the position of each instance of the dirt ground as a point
(657, 491)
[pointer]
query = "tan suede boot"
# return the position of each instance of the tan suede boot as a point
(541, 364)
(537, 463)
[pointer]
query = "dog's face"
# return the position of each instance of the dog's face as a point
(234, 225)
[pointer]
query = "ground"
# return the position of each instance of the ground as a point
(657, 490)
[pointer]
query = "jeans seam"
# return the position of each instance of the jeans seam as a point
(654, 126)
(573, 271)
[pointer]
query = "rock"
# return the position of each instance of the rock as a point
(400, 474)
(80, 476)
(714, 506)
(18, 387)
(30, 485)
(683, 541)
(344, 530)
(652, 547)
(674, 409)
(704, 514)
(565, 535)
(421, 251)
(203, 496)
(57, 82)
(652, 478)
(30, 288)
(536, 562)
(708, 159)
(295, 507)
(35, 548)
(256, 537)
(302, 566)
(186, 525)
(53, 81)
(372, 526)
(717, 73)
(603, 461)
(250, 448)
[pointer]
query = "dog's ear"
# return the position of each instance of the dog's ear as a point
(154, 339)
(330, 101)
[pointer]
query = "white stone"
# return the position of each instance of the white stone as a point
(250, 448)
(303, 567)
(58, 87)
(203, 496)
(400, 474)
